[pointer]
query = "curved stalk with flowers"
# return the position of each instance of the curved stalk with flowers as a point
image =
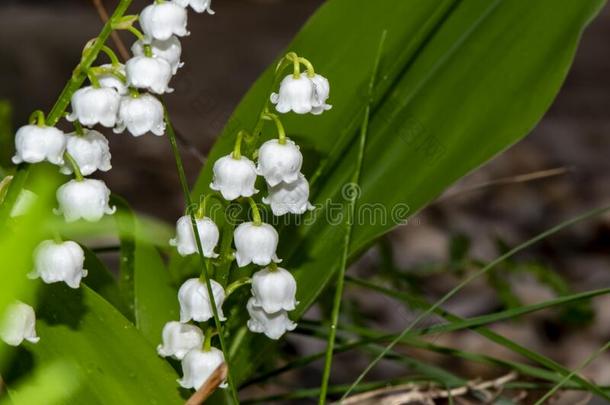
(210, 316)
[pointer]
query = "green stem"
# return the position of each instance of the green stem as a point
(57, 237)
(237, 148)
(134, 93)
(205, 271)
(256, 215)
(236, 284)
(207, 342)
(280, 128)
(93, 78)
(148, 51)
(78, 128)
(310, 70)
(77, 173)
(136, 32)
(296, 66)
(37, 117)
(114, 60)
(351, 206)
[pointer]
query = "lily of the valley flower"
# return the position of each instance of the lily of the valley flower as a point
(195, 301)
(274, 290)
(234, 177)
(162, 20)
(179, 339)
(92, 106)
(36, 144)
(302, 95)
(199, 6)
(321, 92)
(149, 73)
(198, 365)
(59, 261)
(18, 324)
(272, 325)
(255, 244)
(90, 151)
(169, 50)
(289, 198)
(140, 115)
(279, 162)
(87, 199)
(185, 240)
(110, 81)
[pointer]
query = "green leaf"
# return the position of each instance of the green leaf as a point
(52, 384)
(125, 223)
(459, 82)
(114, 361)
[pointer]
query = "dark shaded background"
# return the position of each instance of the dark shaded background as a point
(40, 43)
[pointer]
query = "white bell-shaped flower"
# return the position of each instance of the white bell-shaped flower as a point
(140, 115)
(149, 73)
(24, 203)
(321, 93)
(59, 261)
(255, 244)
(18, 324)
(234, 177)
(92, 106)
(279, 162)
(185, 240)
(35, 144)
(272, 325)
(179, 339)
(274, 290)
(199, 6)
(90, 151)
(195, 301)
(169, 50)
(289, 198)
(161, 21)
(295, 95)
(110, 81)
(87, 199)
(198, 366)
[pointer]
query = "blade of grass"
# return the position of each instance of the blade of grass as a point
(512, 346)
(528, 243)
(205, 265)
(349, 225)
(587, 361)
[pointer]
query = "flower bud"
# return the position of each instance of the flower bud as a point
(90, 151)
(185, 240)
(92, 106)
(321, 92)
(272, 325)
(169, 50)
(87, 199)
(18, 324)
(199, 6)
(198, 366)
(279, 162)
(255, 244)
(195, 301)
(35, 144)
(274, 290)
(161, 21)
(289, 198)
(55, 262)
(234, 177)
(149, 73)
(178, 339)
(140, 115)
(111, 81)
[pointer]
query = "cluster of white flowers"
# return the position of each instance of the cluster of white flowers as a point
(274, 289)
(119, 97)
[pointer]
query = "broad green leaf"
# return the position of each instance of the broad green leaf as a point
(459, 82)
(114, 361)
(52, 384)
(125, 223)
